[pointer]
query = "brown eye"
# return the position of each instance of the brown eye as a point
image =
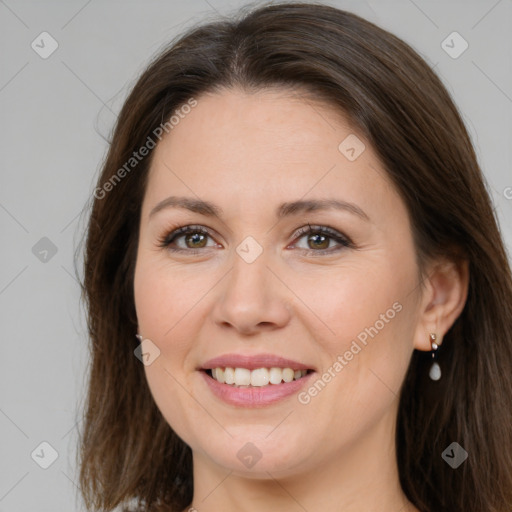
(318, 241)
(196, 240)
(187, 239)
(319, 238)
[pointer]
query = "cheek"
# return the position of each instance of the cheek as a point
(368, 318)
(345, 302)
(177, 404)
(165, 298)
(361, 378)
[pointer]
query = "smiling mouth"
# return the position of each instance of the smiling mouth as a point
(259, 377)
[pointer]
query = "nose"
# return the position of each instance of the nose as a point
(251, 298)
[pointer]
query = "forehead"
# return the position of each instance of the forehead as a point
(249, 148)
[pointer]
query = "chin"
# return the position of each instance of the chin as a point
(251, 455)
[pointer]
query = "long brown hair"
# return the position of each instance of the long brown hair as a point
(128, 452)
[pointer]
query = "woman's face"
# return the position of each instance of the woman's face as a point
(254, 292)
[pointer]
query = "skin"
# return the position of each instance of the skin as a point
(248, 153)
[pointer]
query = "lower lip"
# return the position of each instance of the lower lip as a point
(255, 396)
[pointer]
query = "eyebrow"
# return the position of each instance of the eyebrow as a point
(284, 210)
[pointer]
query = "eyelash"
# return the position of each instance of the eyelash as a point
(344, 241)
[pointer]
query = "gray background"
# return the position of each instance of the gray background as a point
(56, 114)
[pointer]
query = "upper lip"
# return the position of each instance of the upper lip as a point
(253, 362)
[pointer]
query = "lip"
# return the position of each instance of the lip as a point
(253, 362)
(255, 396)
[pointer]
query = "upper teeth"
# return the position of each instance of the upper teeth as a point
(258, 377)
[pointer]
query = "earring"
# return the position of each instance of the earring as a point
(139, 337)
(435, 369)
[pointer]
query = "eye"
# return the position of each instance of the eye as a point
(319, 239)
(194, 238)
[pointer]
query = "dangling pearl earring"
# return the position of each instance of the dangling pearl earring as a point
(435, 369)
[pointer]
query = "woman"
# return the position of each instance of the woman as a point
(298, 295)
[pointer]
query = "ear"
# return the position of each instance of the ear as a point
(444, 295)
